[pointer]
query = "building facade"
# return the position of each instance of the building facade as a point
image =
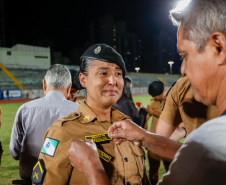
(25, 56)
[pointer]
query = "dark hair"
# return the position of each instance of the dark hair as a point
(85, 63)
(156, 88)
(126, 89)
(75, 79)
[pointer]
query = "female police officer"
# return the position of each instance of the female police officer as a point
(102, 72)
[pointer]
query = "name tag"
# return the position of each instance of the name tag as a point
(98, 138)
(104, 156)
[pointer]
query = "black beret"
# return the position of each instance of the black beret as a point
(75, 79)
(156, 88)
(105, 53)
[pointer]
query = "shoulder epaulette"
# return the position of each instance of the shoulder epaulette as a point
(70, 117)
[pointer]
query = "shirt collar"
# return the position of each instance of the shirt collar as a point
(55, 93)
(88, 115)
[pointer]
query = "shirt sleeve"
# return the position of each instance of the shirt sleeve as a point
(17, 134)
(170, 113)
(195, 164)
(56, 159)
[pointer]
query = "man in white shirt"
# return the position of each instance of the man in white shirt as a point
(35, 117)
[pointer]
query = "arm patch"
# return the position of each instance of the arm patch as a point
(38, 172)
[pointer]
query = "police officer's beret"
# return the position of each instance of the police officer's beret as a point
(156, 88)
(75, 80)
(105, 53)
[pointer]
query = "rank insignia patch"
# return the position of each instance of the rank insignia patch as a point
(49, 146)
(86, 117)
(38, 172)
(98, 138)
(104, 156)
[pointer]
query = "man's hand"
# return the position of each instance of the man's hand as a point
(81, 153)
(84, 157)
(126, 130)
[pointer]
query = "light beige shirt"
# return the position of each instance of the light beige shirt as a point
(181, 106)
(127, 161)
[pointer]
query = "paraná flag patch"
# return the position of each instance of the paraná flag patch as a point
(49, 146)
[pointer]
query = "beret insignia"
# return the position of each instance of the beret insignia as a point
(97, 50)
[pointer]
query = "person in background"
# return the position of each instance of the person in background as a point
(155, 105)
(102, 71)
(76, 86)
(35, 117)
(154, 109)
(125, 104)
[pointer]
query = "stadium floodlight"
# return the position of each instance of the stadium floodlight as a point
(181, 5)
(137, 69)
(170, 63)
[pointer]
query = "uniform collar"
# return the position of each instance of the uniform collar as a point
(87, 115)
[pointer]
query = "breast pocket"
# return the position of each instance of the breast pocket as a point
(138, 154)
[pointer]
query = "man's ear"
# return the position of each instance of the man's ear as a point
(82, 79)
(219, 41)
(44, 84)
(69, 90)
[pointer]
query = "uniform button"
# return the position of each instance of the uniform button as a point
(128, 183)
(76, 114)
(126, 159)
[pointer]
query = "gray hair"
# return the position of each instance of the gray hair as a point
(200, 19)
(58, 76)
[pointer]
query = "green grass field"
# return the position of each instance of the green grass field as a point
(9, 169)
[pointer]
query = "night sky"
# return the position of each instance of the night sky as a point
(66, 23)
